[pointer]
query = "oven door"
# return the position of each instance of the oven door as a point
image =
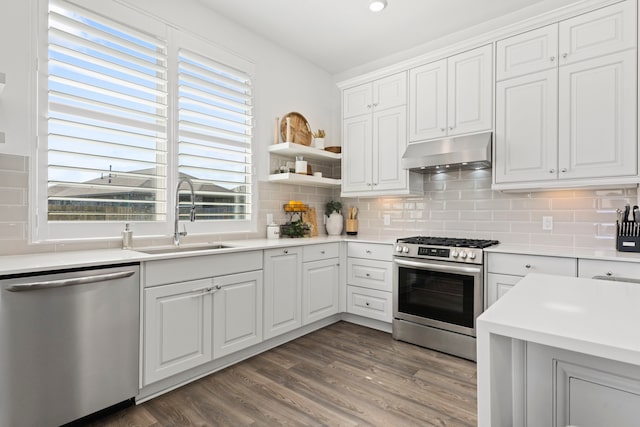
(441, 294)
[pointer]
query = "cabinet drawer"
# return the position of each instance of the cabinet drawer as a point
(320, 252)
(382, 252)
(369, 273)
(614, 269)
(369, 303)
(521, 265)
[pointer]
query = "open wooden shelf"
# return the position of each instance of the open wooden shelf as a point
(296, 178)
(292, 149)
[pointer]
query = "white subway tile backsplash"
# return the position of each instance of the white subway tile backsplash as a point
(455, 203)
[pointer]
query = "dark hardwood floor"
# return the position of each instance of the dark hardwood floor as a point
(342, 375)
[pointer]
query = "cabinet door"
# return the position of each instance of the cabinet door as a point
(237, 312)
(357, 155)
(357, 101)
(389, 144)
(527, 53)
(428, 101)
(282, 296)
(526, 138)
(390, 92)
(177, 328)
(597, 117)
(320, 289)
(498, 285)
(470, 95)
(601, 32)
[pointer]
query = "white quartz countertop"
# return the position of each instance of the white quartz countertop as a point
(40, 262)
(596, 317)
(585, 253)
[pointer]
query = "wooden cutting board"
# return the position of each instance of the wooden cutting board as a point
(309, 218)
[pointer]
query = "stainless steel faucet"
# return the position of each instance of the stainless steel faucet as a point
(176, 233)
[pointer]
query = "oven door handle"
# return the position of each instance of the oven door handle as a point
(422, 265)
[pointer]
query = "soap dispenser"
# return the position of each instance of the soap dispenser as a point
(127, 237)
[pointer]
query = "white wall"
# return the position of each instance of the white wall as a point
(17, 61)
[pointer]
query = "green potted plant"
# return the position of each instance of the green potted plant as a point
(334, 218)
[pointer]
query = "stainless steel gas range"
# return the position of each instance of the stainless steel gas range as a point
(438, 292)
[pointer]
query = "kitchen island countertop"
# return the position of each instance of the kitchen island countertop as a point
(593, 317)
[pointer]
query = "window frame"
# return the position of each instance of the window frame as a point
(43, 230)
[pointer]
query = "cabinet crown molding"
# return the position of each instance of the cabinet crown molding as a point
(472, 41)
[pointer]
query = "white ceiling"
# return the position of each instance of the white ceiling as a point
(338, 35)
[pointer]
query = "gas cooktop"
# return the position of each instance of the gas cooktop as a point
(443, 248)
(448, 241)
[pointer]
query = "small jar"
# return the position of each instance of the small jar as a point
(301, 165)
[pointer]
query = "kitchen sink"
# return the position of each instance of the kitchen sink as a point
(180, 249)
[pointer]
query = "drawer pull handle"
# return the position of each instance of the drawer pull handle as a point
(367, 303)
(609, 273)
(368, 275)
(286, 251)
(322, 252)
(527, 266)
(368, 251)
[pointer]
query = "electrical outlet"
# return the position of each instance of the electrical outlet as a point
(547, 223)
(386, 219)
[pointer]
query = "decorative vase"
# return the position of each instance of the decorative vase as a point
(318, 143)
(334, 224)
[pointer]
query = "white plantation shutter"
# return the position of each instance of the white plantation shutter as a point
(129, 105)
(107, 119)
(214, 134)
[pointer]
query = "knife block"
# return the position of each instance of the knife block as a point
(627, 237)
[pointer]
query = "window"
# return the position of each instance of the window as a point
(129, 110)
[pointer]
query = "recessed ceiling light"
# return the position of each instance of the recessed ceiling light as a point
(377, 5)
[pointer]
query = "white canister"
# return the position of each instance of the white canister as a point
(273, 231)
(301, 165)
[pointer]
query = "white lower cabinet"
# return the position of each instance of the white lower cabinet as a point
(369, 303)
(498, 285)
(505, 270)
(190, 323)
(609, 270)
(282, 290)
(566, 388)
(237, 312)
(320, 289)
(178, 328)
(369, 280)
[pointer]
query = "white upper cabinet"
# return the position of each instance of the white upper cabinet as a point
(601, 32)
(597, 118)
(569, 119)
(374, 134)
(428, 101)
(527, 128)
(451, 96)
(378, 95)
(527, 53)
(470, 84)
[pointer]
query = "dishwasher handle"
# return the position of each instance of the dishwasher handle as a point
(74, 281)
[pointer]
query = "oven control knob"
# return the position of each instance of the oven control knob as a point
(454, 253)
(463, 255)
(472, 255)
(398, 248)
(405, 249)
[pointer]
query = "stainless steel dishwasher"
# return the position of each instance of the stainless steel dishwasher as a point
(68, 343)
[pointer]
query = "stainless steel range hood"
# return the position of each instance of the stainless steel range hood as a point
(463, 152)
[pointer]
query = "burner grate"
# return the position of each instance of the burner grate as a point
(449, 241)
